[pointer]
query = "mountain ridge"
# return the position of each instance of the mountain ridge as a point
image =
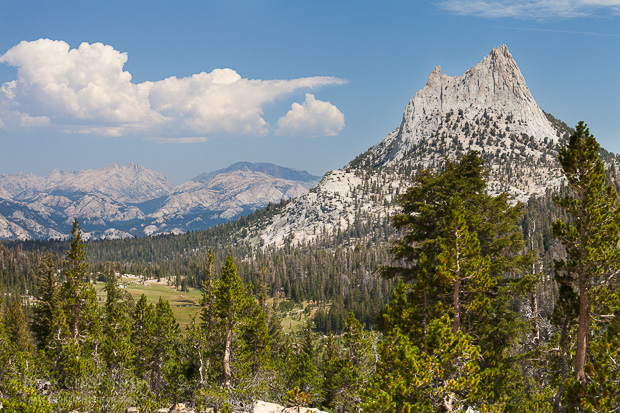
(119, 201)
(267, 168)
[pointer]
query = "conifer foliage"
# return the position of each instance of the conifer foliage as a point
(591, 240)
(450, 320)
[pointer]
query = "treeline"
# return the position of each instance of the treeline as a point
(337, 273)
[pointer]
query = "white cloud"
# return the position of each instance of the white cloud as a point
(86, 90)
(222, 101)
(529, 9)
(34, 121)
(311, 118)
(83, 84)
(197, 139)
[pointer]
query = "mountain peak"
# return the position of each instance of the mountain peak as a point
(494, 87)
(270, 169)
(435, 77)
(488, 109)
(501, 51)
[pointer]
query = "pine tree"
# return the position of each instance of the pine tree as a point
(165, 345)
(590, 240)
(231, 304)
(443, 377)
(240, 342)
(76, 322)
(18, 374)
(142, 332)
(15, 324)
(304, 372)
(463, 255)
(424, 217)
(46, 294)
(117, 347)
(346, 369)
(463, 270)
(75, 275)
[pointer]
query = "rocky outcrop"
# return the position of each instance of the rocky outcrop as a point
(488, 109)
(494, 87)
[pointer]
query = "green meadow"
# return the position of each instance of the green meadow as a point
(184, 305)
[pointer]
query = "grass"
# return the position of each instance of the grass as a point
(184, 305)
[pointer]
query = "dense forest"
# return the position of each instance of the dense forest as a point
(463, 301)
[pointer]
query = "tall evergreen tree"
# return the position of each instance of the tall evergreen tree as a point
(590, 239)
(15, 324)
(117, 347)
(141, 336)
(76, 319)
(231, 303)
(424, 217)
(75, 275)
(463, 270)
(462, 255)
(46, 295)
(347, 368)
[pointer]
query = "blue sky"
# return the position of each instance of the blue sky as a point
(192, 86)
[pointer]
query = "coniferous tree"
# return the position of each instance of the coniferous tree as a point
(231, 302)
(19, 371)
(142, 332)
(46, 294)
(464, 271)
(117, 347)
(590, 240)
(74, 286)
(424, 217)
(15, 324)
(346, 369)
(76, 319)
(461, 251)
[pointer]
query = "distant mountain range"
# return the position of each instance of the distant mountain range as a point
(130, 200)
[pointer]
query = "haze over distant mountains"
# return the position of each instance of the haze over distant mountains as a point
(130, 200)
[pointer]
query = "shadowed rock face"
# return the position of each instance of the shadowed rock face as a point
(488, 109)
(123, 201)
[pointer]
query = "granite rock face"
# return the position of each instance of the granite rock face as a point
(494, 86)
(488, 109)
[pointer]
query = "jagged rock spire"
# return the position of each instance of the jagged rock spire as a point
(494, 86)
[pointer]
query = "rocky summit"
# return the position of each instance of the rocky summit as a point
(488, 109)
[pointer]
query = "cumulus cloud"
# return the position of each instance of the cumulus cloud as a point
(86, 90)
(311, 118)
(534, 9)
(83, 84)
